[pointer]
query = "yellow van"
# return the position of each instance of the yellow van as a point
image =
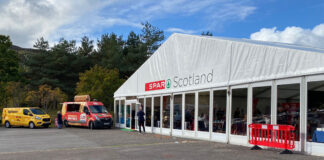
(31, 117)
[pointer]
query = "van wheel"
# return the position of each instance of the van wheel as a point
(66, 124)
(7, 125)
(91, 125)
(31, 125)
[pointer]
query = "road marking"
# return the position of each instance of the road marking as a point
(102, 147)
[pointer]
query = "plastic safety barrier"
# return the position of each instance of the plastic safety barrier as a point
(276, 136)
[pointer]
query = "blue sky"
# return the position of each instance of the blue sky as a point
(267, 14)
(288, 21)
(280, 14)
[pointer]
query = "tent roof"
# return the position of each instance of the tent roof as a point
(273, 44)
(229, 61)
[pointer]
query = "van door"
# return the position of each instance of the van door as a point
(12, 116)
(25, 118)
(73, 114)
(84, 117)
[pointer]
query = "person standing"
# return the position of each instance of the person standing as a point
(59, 120)
(140, 115)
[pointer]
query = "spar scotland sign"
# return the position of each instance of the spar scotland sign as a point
(178, 82)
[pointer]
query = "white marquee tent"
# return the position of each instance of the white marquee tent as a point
(188, 63)
(232, 61)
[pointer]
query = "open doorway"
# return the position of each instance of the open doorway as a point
(133, 116)
(131, 112)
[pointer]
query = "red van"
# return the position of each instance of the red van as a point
(83, 112)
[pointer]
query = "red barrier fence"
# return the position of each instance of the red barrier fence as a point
(276, 136)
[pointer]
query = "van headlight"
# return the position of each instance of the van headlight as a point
(38, 118)
(96, 118)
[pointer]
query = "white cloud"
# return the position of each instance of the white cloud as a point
(27, 20)
(294, 35)
(233, 11)
(179, 30)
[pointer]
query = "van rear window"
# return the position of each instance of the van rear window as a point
(73, 107)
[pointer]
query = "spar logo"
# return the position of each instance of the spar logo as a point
(158, 85)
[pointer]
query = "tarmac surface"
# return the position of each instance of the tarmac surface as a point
(81, 143)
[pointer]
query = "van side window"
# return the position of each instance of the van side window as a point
(85, 110)
(26, 112)
(73, 107)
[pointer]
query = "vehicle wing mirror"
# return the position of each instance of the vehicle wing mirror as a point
(30, 114)
(88, 113)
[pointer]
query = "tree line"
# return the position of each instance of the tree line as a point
(49, 75)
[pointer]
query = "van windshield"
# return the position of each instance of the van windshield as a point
(98, 109)
(37, 111)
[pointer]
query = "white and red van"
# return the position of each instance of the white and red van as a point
(83, 112)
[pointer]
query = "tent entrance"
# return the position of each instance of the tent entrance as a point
(131, 114)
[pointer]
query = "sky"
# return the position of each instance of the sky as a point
(288, 21)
